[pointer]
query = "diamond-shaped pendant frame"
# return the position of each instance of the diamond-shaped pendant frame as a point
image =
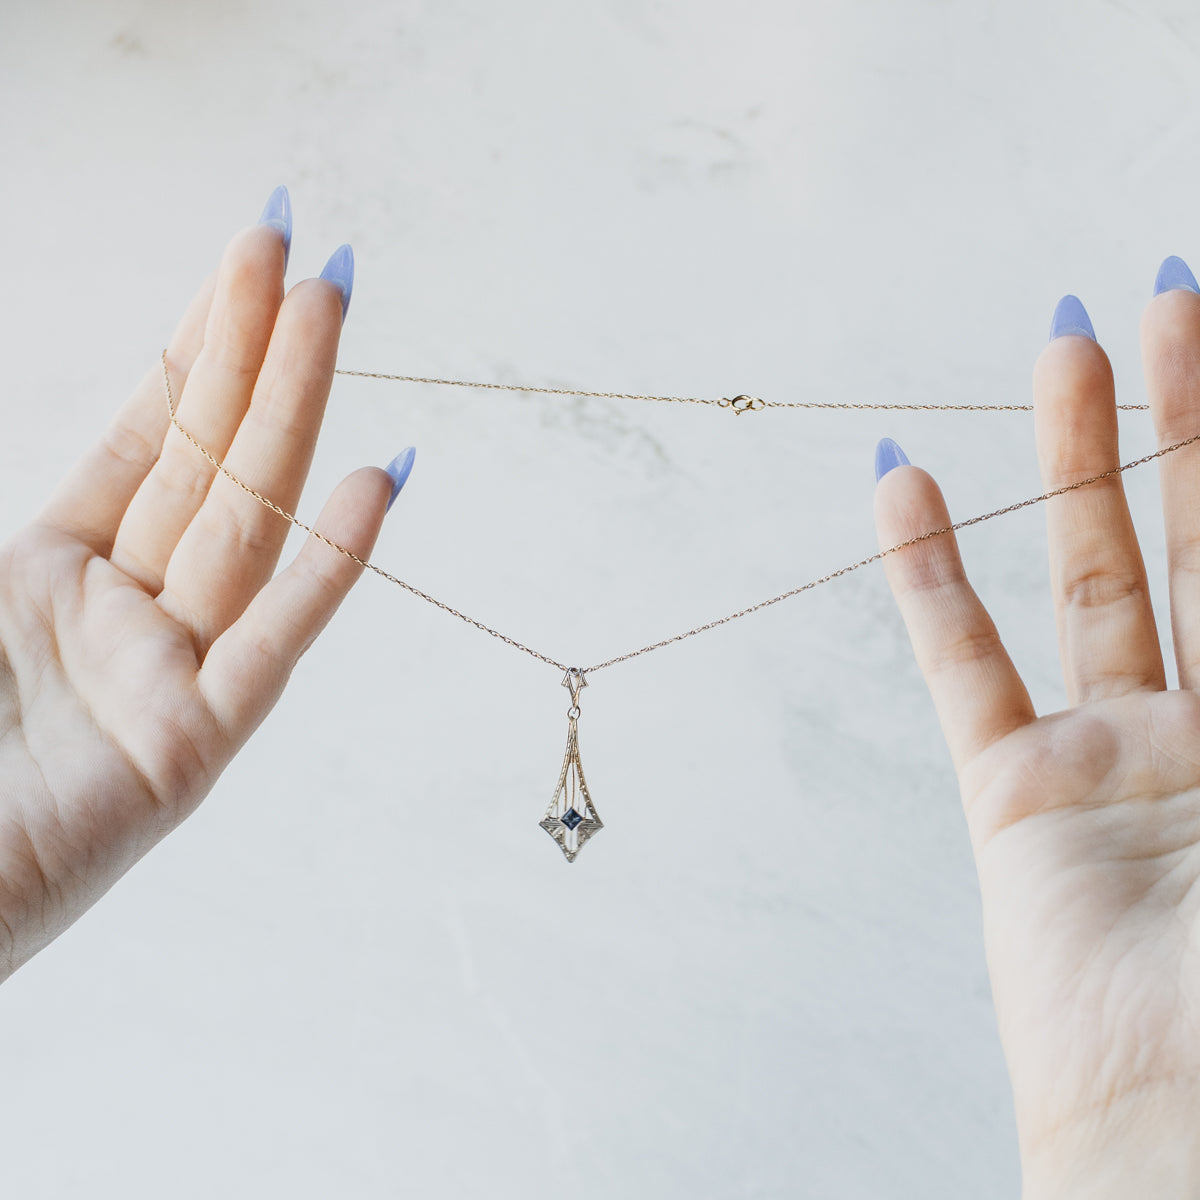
(571, 796)
(571, 817)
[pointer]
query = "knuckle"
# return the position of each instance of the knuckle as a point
(963, 648)
(1101, 585)
(243, 528)
(253, 536)
(182, 473)
(277, 418)
(127, 445)
(930, 567)
(238, 359)
(326, 578)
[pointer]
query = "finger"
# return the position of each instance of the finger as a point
(976, 690)
(1170, 334)
(232, 545)
(247, 667)
(215, 397)
(1107, 639)
(91, 500)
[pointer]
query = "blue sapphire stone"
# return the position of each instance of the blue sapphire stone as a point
(571, 818)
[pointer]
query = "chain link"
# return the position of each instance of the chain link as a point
(739, 404)
(362, 562)
(863, 562)
(745, 612)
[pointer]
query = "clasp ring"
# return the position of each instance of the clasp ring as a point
(743, 403)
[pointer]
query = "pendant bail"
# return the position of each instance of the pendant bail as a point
(574, 679)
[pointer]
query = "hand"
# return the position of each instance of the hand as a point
(1085, 823)
(142, 636)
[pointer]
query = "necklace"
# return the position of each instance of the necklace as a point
(571, 817)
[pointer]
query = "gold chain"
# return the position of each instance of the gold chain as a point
(745, 612)
(739, 404)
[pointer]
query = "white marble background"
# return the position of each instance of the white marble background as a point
(361, 969)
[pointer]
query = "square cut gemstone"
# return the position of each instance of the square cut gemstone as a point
(571, 818)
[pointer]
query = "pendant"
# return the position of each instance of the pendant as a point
(572, 818)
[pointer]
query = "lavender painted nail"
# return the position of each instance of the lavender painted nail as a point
(1175, 273)
(1071, 317)
(277, 213)
(399, 469)
(340, 270)
(888, 455)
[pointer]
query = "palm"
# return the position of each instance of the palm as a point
(119, 735)
(1087, 840)
(143, 632)
(1085, 824)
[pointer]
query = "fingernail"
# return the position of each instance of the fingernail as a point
(1174, 273)
(278, 214)
(888, 455)
(399, 469)
(1071, 317)
(340, 270)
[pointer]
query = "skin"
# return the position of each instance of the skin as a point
(1085, 823)
(142, 636)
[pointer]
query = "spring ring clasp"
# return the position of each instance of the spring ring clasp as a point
(742, 403)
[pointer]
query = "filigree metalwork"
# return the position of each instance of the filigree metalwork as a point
(571, 819)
